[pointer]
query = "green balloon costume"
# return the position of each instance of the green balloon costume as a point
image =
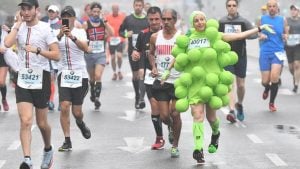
(201, 57)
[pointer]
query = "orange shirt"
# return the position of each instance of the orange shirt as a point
(115, 22)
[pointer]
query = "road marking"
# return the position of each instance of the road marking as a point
(134, 145)
(15, 145)
(276, 159)
(254, 138)
(2, 162)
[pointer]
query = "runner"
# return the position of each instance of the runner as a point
(116, 42)
(234, 23)
(97, 28)
(72, 76)
(131, 26)
(161, 60)
(36, 44)
(292, 46)
(141, 54)
(272, 52)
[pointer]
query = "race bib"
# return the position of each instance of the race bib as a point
(199, 43)
(97, 46)
(114, 41)
(232, 28)
(148, 77)
(71, 78)
(30, 78)
(293, 40)
(134, 39)
(281, 55)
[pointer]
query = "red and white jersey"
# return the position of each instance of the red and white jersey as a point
(164, 58)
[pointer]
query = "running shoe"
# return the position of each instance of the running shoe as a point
(159, 144)
(142, 104)
(47, 159)
(97, 104)
(272, 107)
(240, 112)
(295, 89)
(85, 131)
(265, 94)
(5, 105)
(26, 164)
(171, 134)
(199, 156)
(231, 116)
(174, 152)
(137, 104)
(67, 146)
(114, 77)
(120, 75)
(214, 143)
(51, 105)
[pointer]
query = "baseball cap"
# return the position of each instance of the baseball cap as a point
(69, 11)
(53, 8)
(294, 7)
(29, 3)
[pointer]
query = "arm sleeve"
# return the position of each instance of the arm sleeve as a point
(139, 42)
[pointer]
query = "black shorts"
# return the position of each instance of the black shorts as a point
(292, 53)
(73, 95)
(38, 97)
(165, 92)
(149, 91)
(2, 61)
(116, 48)
(239, 69)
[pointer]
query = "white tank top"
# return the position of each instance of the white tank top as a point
(164, 57)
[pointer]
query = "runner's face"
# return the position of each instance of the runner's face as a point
(168, 21)
(231, 7)
(28, 13)
(272, 8)
(96, 12)
(199, 23)
(294, 12)
(138, 8)
(52, 15)
(154, 21)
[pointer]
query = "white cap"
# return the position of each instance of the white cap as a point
(53, 8)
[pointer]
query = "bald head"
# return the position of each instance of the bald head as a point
(115, 9)
(273, 7)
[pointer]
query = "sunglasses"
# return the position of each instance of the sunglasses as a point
(166, 19)
(231, 5)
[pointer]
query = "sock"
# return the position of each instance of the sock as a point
(52, 91)
(198, 133)
(267, 87)
(3, 90)
(142, 90)
(157, 125)
(136, 88)
(48, 149)
(27, 157)
(215, 126)
(68, 139)
(274, 90)
(98, 87)
(92, 84)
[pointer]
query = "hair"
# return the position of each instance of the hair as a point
(154, 10)
(173, 12)
(138, 1)
(95, 5)
(236, 1)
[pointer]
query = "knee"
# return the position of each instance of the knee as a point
(26, 122)
(42, 124)
(241, 86)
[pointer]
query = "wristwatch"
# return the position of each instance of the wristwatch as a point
(38, 50)
(74, 39)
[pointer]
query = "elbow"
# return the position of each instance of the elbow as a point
(7, 44)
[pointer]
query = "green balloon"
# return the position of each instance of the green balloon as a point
(182, 105)
(182, 59)
(211, 79)
(227, 48)
(224, 60)
(215, 102)
(221, 90)
(211, 33)
(178, 67)
(225, 100)
(198, 72)
(210, 54)
(194, 55)
(181, 92)
(177, 83)
(212, 23)
(220, 46)
(186, 79)
(182, 41)
(226, 77)
(205, 93)
(177, 50)
(233, 57)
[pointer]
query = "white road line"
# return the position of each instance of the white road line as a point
(2, 162)
(15, 145)
(276, 159)
(254, 138)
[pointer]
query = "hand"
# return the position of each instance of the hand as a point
(29, 48)
(5, 28)
(135, 55)
(262, 36)
(129, 34)
(268, 28)
(154, 72)
(2, 50)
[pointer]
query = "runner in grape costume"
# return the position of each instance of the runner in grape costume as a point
(201, 56)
